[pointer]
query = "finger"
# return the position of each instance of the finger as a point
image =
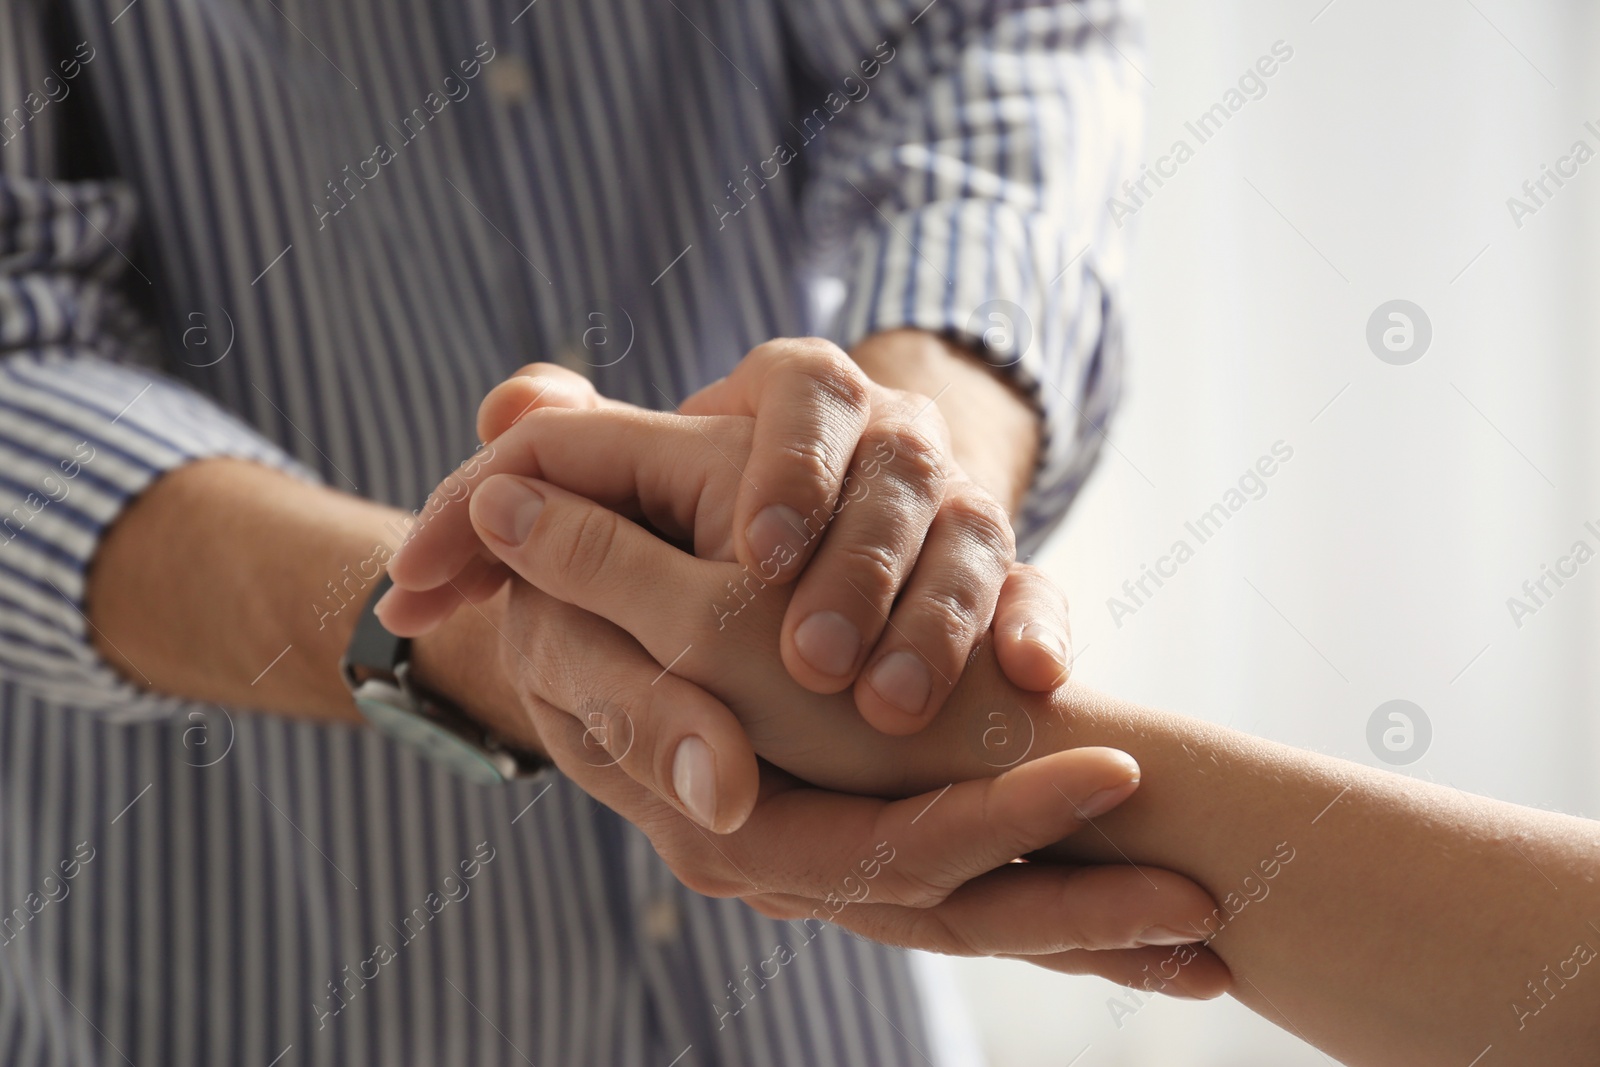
(411, 613)
(587, 555)
(1033, 640)
(711, 866)
(1036, 909)
(973, 827)
(408, 613)
(665, 733)
(842, 602)
(941, 615)
(533, 386)
(811, 402)
(1182, 971)
(914, 853)
(625, 459)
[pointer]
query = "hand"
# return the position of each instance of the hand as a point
(791, 850)
(917, 561)
(930, 872)
(712, 621)
(901, 503)
(582, 551)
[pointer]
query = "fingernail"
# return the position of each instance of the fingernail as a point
(1048, 639)
(903, 680)
(694, 779)
(775, 535)
(829, 642)
(378, 606)
(1166, 935)
(507, 508)
(1099, 803)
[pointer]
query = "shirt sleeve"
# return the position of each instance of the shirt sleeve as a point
(85, 424)
(958, 162)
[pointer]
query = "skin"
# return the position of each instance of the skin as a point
(1386, 920)
(892, 602)
(923, 567)
(215, 585)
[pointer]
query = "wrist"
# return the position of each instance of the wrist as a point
(462, 662)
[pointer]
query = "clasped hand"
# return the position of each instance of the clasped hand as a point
(655, 677)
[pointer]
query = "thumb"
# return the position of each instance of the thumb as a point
(593, 558)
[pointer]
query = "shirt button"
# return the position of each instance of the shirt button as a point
(510, 80)
(661, 920)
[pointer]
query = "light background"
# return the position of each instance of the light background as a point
(1379, 563)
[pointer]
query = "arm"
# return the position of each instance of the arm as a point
(232, 583)
(85, 430)
(957, 191)
(1387, 920)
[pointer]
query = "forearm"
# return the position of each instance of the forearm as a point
(1389, 921)
(994, 432)
(231, 583)
(1411, 917)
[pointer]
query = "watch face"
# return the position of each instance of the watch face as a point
(431, 740)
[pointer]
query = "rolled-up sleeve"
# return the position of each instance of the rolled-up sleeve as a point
(85, 424)
(957, 181)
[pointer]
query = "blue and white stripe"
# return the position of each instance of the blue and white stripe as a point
(169, 202)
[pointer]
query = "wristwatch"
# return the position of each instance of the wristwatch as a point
(377, 668)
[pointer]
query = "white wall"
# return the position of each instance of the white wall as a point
(1418, 501)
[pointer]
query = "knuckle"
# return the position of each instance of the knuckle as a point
(839, 383)
(873, 567)
(708, 882)
(982, 522)
(911, 455)
(583, 545)
(610, 714)
(808, 456)
(922, 408)
(939, 934)
(1026, 576)
(950, 614)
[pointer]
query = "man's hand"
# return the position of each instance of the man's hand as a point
(917, 557)
(931, 872)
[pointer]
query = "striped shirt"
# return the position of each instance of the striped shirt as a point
(314, 235)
